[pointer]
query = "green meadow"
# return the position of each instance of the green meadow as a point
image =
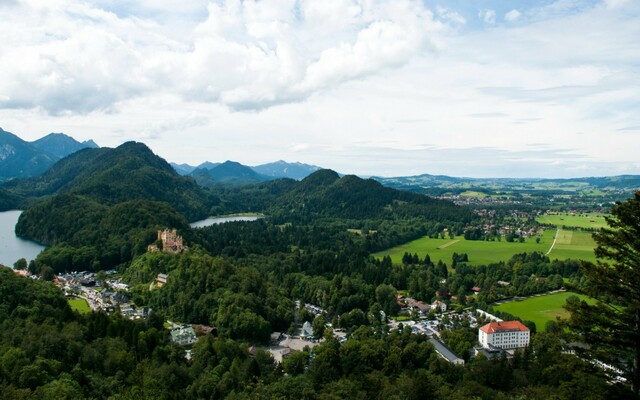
(540, 309)
(479, 251)
(592, 220)
(574, 244)
(79, 305)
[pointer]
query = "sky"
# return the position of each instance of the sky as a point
(473, 88)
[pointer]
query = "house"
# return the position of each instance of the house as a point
(161, 280)
(504, 335)
(22, 272)
(476, 289)
(183, 335)
(444, 352)
(439, 305)
(420, 306)
(307, 330)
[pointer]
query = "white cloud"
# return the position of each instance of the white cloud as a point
(512, 16)
(615, 3)
(449, 15)
(246, 55)
(385, 87)
(488, 16)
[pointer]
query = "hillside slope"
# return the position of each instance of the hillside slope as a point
(20, 159)
(110, 176)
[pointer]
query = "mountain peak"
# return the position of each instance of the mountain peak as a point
(20, 159)
(284, 169)
(322, 177)
(90, 144)
(60, 145)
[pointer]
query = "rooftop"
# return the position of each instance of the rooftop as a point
(504, 326)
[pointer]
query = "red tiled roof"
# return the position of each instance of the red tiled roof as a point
(494, 327)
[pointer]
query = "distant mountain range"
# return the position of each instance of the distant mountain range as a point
(283, 169)
(231, 172)
(22, 159)
(438, 184)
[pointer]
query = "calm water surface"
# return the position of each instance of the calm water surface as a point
(221, 220)
(12, 247)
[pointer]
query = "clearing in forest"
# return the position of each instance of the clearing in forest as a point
(540, 309)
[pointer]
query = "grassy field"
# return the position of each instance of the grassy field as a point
(479, 252)
(574, 244)
(473, 194)
(540, 309)
(579, 221)
(79, 305)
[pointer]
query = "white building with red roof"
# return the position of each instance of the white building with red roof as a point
(504, 335)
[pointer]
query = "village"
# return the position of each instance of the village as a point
(106, 292)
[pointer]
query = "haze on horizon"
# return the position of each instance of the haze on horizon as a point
(371, 87)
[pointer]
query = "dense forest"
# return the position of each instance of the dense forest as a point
(49, 352)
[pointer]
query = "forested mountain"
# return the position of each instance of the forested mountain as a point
(283, 169)
(229, 172)
(101, 207)
(9, 201)
(207, 165)
(325, 194)
(86, 235)
(20, 159)
(61, 145)
(110, 176)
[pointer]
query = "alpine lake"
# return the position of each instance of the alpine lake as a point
(12, 247)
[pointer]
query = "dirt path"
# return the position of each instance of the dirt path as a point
(448, 244)
(554, 242)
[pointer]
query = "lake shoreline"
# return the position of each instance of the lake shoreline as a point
(240, 217)
(12, 246)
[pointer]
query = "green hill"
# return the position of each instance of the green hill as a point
(111, 176)
(101, 207)
(325, 194)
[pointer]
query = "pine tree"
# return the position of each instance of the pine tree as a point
(612, 326)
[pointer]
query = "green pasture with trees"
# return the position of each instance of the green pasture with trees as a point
(574, 244)
(540, 309)
(590, 220)
(480, 252)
